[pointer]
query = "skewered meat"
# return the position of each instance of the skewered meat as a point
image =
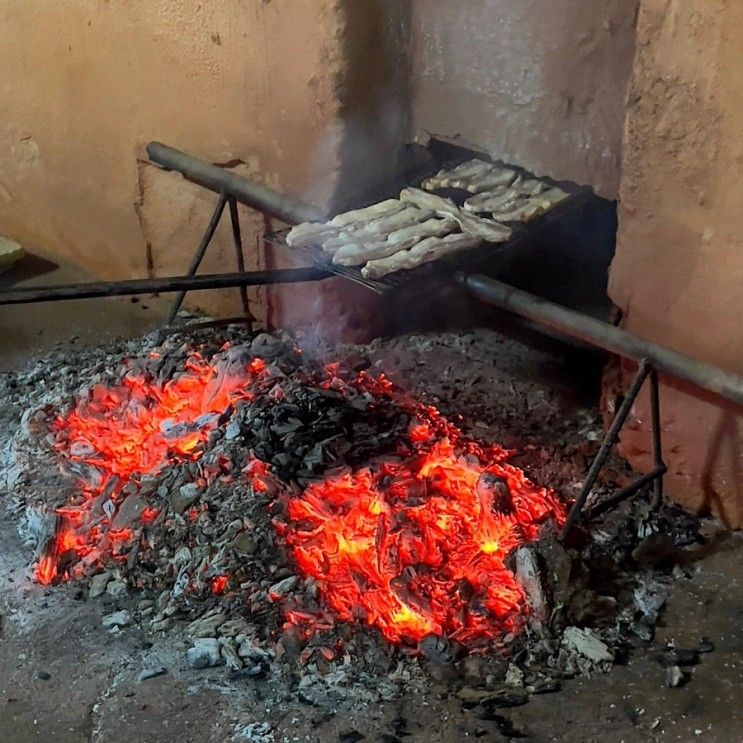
(429, 228)
(554, 195)
(349, 237)
(430, 249)
(527, 209)
(523, 211)
(529, 186)
(376, 230)
(385, 225)
(468, 169)
(474, 176)
(318, 233)
(357, 254)
(506, 199)
(425, 200)
(491, 201)
(397, 221)
(444, 178)
(497, 176)
(523, 201)
(486, 229)
(310, 233)
(383, 208)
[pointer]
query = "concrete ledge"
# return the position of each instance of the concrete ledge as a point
(10, 253)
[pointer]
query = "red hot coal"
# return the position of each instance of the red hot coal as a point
(412, 543)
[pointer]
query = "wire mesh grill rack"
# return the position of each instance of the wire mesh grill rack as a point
(522, 233)
(319, 258)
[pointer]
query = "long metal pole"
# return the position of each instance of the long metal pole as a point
(238, 243)
(602, 335)
(263, 199)
(609, 440)
(132, 287)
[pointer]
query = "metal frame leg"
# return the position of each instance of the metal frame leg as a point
(655, 476)
(198, 256)
(237, 239)
(658, 463)
(609, 441)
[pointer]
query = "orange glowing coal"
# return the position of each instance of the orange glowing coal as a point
(131, 430)
(417, 547)
(412, 544)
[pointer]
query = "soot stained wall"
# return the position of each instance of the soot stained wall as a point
(540, 83)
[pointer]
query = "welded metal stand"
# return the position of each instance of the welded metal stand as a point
(224, 200)
(655, 476)
(238, 243)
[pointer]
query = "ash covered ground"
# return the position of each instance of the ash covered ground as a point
(600, 599)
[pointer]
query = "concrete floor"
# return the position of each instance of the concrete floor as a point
(67, 679)
(30, 329)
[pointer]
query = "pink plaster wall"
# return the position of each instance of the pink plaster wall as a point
(678, 270)
(85, 84)
(540, 83)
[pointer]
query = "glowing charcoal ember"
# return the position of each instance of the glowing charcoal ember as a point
(46, 570)
(149, 515)
(58, 545)
(414, 548)
(411, 541)
(133, 429)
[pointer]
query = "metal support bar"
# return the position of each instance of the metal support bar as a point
(199, 255)
(654, 476)
(263, 199)
(651, 356)
(658, 462)
(203, 324)
(95, 289)
(602, 335)
(238, 241)
(606, 445)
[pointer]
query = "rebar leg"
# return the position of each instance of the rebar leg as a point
(625, 493)
(658, 463)
(199, 255)
(606, 445)
(237, 239)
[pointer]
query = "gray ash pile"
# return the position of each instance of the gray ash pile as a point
(288, 510)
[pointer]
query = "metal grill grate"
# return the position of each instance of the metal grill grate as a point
(449, 157)
(320, 259)
(470, 259)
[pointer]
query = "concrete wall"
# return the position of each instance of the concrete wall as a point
(540, 83)
(678, 270)
(307, 96)
(371, 88)
(84, 84)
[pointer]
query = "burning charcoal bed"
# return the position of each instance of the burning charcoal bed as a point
(301, 517)
(394, 517)
(371, 372)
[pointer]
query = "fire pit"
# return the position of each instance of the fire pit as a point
(399, 520)
(288, 508)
